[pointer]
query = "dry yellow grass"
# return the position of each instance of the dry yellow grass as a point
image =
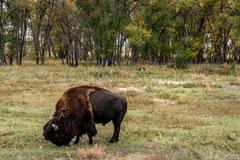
(156, 157)
(195, 115)
(90, 153)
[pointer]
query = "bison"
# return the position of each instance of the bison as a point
(79, 109)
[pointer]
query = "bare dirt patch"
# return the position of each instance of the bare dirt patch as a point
(206, 84)
(144, 97)
(162, 101)
(127, 89)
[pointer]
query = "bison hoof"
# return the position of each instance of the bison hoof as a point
(90, 142)
(111, 141)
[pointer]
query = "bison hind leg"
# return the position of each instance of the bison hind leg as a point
(117, 124)
(77, 139)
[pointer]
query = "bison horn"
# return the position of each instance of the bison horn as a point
(55, 127)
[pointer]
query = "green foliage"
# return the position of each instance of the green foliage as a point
(183, 56)
(157, 30)
(137, 36)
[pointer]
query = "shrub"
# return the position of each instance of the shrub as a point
(89, 153)
(180, 62)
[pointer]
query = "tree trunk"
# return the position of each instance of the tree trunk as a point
(17, 43)
(36, 43)
(2, 56)
(200, 56)
(134, 55)
(23, 35)
(53, 49)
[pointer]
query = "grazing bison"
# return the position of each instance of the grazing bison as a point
(79, 109)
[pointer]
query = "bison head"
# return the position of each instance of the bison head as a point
(61, 131)
(58, 132)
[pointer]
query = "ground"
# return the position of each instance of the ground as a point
(172, 114)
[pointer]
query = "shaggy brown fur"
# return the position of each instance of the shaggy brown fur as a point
(79, 109)
(74, 101)
(73, 116)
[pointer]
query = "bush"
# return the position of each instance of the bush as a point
(180, 62)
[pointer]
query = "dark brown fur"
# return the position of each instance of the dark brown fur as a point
(73, 115)
(79, 109)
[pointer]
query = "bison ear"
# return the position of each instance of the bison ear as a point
(55, 127)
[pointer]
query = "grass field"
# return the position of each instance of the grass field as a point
(172, 114)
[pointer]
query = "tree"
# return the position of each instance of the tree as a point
(2, 43)
(160, 31)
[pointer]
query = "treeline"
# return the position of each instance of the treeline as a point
(109, 32)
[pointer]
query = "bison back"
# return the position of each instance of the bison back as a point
(107, 106)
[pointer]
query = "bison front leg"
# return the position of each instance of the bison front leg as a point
(91, 131)
(77, 139)
(90, 140)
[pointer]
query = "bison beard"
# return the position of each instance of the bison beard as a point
(79, 108)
